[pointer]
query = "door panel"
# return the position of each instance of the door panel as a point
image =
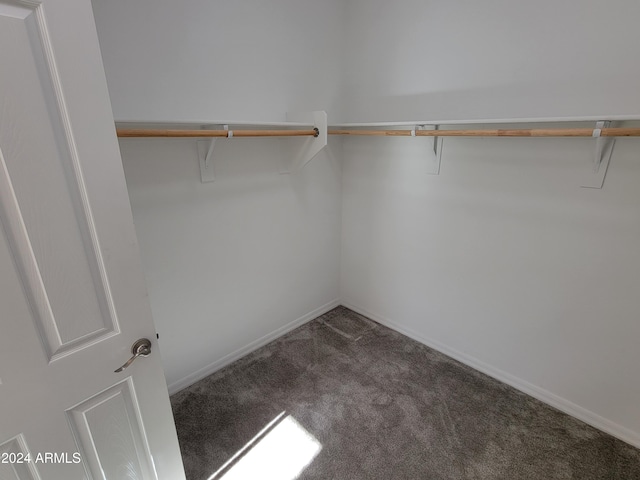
(62, 265)
(108, 429)
(16, 471)
(72, 293)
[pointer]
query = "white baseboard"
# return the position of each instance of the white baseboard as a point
(570, 408)
(207, 370)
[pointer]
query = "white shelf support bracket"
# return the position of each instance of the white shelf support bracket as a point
(205, 157)
(304, 150)
(433, 159)
(603, 152)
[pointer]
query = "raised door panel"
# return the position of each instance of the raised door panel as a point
(16, 462)
(40, 180)
(108, 430)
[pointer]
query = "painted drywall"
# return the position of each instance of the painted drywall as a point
(502, 260)
(464, 59)
(214, 60)
(233, 263)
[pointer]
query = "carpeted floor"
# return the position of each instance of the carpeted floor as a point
(374, 404)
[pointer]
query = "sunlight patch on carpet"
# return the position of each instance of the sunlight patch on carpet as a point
(281, 451)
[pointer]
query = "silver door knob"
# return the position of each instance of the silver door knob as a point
(142, 348)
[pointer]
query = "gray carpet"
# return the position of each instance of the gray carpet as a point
(383, 406)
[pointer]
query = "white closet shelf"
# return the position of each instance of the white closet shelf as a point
(311, 126)
(188, 124)
(316, 128)
(602, 132)
(207, 124)
(506, 121)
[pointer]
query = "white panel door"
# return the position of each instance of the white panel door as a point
(72, 293)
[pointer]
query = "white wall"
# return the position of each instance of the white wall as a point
(504, 262)
(230, 262)
(501, 261)
(221, 60)
(465, 59)
(233, 263)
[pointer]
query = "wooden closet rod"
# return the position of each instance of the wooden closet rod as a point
(541, 132)
(136, 132)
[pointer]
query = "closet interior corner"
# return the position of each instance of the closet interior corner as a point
(432, 271)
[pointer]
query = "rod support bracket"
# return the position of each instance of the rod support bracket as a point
(433, 159)
(602, 157)
(303, 150)
(205, 155)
